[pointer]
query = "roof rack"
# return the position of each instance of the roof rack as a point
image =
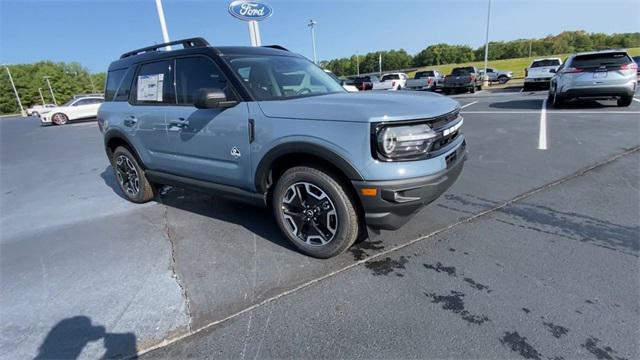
(186, 43)
(276, 47)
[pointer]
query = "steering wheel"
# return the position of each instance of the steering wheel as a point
(303, 91)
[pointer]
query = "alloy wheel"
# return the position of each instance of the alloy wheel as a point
(309, 214)
(127, 175)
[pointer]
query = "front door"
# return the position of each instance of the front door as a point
(207, 144)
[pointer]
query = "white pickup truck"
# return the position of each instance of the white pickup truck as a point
(425, 80)
(391, 81)
(540, 72)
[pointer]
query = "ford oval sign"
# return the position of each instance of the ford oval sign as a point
(250, 10)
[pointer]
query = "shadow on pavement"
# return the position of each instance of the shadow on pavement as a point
(67, 339)
(255, 219)
(109, 179)
(529, 104)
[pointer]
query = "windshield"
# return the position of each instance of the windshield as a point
(283, 77)
(423, 74)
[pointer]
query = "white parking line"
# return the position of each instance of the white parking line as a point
(521, 90)
(636, 99)
(542, 136)
(469, 104)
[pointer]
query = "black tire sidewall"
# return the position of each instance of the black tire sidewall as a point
(345, 209)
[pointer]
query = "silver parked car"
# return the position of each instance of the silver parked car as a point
(607, 74)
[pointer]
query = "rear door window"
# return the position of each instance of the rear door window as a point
(154, 83)
(196, 73)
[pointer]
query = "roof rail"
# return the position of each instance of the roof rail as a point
(186, 43)
(276, 47)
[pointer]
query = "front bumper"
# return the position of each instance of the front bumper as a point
(396, 201)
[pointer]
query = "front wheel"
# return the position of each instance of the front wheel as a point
(315, 212)
(59, 118)
(503, 79)
(625, 100)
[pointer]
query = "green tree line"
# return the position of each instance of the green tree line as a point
(67, 79)
(439, 54)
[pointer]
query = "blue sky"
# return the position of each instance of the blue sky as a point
(96, 32)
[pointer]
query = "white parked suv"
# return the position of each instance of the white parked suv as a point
(36, 110)
(391, 81)
(80, 108)
(540, 72)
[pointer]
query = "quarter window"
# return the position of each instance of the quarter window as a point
(197, 73)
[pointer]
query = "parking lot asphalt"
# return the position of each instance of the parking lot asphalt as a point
(533, 253)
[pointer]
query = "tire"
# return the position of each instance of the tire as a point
(35, 113)
(625, 100)
(59, 119)
(127, 170)
(399, 88)
(301, 198)
(446, 91)
(556, 100)
(503, 79)
(479, 87)
(473, 89)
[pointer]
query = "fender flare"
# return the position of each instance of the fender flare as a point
(301, 147)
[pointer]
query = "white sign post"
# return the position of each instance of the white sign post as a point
(254, 33)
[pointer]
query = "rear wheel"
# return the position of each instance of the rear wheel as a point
(625, 100)
(503, 79)
(315, 212)
(59, 118)
(473, 89)
(131, 177)
(556, 99)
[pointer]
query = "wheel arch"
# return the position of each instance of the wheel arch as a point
(114, 138)
(284, 156)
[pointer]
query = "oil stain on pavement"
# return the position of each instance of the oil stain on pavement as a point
(556, 330)
(387, 266)
(601, 353)
(455, 303)
(519, 344)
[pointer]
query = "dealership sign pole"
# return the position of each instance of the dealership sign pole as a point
(251, 12)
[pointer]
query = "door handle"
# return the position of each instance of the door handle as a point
(179, 122)
(130, 121)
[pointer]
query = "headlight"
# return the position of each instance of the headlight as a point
(404, 142)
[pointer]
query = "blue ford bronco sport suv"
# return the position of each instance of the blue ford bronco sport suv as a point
(267, 126)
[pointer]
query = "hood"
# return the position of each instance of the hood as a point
(364, 106)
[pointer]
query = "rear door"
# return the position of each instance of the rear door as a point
(207, 144)
(151, 93)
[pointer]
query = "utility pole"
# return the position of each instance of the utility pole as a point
(50, 89)
(380, 63)
(312, 25)
(358, 63)
(530, 41)
(485, 77)
(163, 23)
(41, 97)
(15, 91)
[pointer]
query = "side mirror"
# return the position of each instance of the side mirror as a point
(553, 71)
(342, 82)
(209, 98)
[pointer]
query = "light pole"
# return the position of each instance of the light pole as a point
(358, 64)
(312, 24)
(163, 23)
(41, 97)
(485, 77)
(15, 91)
(50, 89)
